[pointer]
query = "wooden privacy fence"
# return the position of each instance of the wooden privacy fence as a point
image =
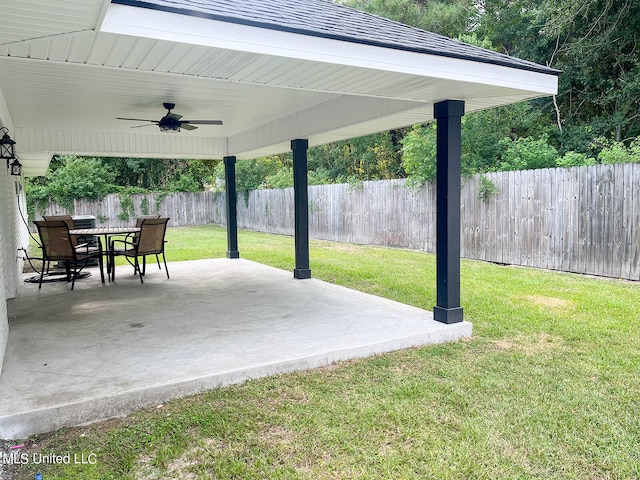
(184, 208)
(580, 219)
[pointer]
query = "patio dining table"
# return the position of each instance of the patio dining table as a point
(106, 232)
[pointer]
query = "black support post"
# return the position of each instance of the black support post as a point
(301, 208)
(232, 212)
(448, 115)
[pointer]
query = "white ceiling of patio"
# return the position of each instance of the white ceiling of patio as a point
(68, 69)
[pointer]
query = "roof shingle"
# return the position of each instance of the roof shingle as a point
(326, 19)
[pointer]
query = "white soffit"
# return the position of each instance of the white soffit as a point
(28, 19)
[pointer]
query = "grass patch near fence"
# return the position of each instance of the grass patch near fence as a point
(548, 387)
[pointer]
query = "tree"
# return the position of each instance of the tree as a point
(254, 174)
(488, 139)
(71, 178)
(513, 27)
(596, 44)
(162, 174)
(419, 154)
(483, 131)
(372, 157)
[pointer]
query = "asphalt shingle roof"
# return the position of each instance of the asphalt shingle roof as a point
(323, 18)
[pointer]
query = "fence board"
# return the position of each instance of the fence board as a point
(627, 220)
(573, 246)
(634, 247)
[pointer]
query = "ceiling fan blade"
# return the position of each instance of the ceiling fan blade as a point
(136, 119)
(202, 122)
(145, 125)
(186, 126)
(174, 116)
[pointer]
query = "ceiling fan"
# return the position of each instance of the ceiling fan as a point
(171, 121)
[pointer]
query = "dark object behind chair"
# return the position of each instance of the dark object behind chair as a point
(58, 244)
(150, 241)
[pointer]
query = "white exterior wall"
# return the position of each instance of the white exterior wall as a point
(6, 234)
(13, 235)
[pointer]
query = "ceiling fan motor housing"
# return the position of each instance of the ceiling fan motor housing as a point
(169, 124)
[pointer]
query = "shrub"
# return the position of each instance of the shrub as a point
(575, 159)
(528, 153)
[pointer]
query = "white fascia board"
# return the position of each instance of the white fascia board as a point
(146, 23)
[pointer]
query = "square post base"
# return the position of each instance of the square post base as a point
(447, 315)
(233, 254)
(301, 273)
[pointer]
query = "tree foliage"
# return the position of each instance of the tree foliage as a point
(527, 153)
(593, 119)
(258, 173)
(595, 42)
(372, 157)
(446, 17)
(70, 177)
(167, 175)
(419, 154)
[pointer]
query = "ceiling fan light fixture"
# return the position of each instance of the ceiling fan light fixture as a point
(169, 124)
(169, 128)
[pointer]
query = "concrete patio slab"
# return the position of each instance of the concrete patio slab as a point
(102, 351)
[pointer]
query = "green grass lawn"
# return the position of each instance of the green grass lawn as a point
(548, 387)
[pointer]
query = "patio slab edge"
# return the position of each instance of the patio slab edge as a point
(27, 423)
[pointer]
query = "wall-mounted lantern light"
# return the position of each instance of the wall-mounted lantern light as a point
(7, 146)
(16, 167)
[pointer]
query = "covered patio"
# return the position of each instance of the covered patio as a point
(276, 76)
(102, 351)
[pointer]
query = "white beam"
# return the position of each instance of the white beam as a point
(102, 15)
(35, 164)
(116, 144)
(336, 114)
(5, 116)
